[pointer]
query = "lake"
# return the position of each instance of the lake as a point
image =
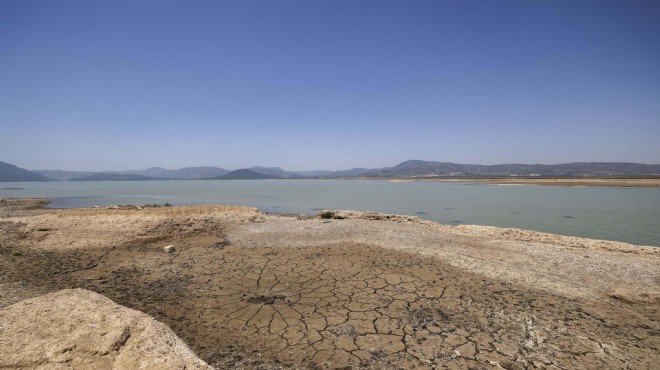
(623, 214)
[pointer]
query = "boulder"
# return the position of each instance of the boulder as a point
(77, 328)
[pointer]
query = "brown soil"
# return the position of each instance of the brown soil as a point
(243, 290)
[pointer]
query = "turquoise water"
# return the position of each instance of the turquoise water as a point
(624, 214)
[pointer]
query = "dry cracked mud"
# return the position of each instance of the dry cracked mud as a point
(265, 304)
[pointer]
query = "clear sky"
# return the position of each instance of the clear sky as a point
(102, 85)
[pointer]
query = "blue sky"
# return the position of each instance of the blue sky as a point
(100, 85)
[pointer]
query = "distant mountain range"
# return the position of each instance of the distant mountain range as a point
(246, 174)
(9, 172)
(407, 169)
(187, 173)
(416, 168)
(114, 177)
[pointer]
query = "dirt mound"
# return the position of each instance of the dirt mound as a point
(79, 328)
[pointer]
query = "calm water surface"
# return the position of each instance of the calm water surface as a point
(625, 214)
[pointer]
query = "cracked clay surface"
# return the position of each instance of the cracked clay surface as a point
(341, 305)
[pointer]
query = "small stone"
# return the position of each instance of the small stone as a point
(169, 249)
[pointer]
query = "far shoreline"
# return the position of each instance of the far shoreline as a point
(548, 181)
(610, 182)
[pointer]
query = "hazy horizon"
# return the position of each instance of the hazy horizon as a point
(292, 169)
(310, 85)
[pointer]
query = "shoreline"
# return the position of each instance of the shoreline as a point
(40, 205)
(343, 289)
(475, 229)
(563, 182)
(613, 182)
(46, 206)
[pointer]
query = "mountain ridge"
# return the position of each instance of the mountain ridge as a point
(244, 174)
(407, 169)
(13, 173)
(115, 177)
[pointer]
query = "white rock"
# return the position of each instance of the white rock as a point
(54, 332)
(169, 249)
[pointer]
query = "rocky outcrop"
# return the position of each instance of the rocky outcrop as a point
(373, 216)
(77, 328)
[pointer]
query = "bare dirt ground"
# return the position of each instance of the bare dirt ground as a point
(347, 289)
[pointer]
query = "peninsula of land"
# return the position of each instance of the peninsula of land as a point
(585, 182)
(342, 289)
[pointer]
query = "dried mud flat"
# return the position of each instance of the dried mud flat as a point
(346, 289)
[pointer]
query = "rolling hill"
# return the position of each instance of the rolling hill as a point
(11, 173)
(417, 168)
(114, 177)
(407, 169)
(245, 174)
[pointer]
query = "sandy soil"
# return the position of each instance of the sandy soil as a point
(347, 289)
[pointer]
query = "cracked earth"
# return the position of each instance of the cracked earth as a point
(243, 297)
